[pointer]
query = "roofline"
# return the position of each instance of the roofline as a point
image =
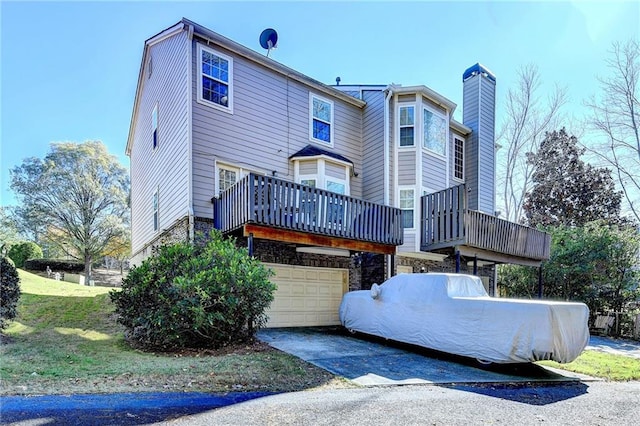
(238, 49)
(434, 96)
(460, 127)
(162, 35)
(267, 62)
(322, 156)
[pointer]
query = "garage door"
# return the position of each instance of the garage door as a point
(306, 296)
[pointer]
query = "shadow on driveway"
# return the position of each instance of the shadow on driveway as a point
(370, 361)
(112, 409)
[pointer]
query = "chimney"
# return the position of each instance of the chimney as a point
(479, 114)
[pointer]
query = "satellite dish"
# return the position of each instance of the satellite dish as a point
(269, 39)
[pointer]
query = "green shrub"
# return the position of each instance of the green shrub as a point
(207, 295)
(56, 265)
(24, 251)
(9, 292)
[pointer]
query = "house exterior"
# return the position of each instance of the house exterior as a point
(334, 187)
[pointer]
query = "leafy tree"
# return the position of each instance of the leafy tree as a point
(9, 234)
(615, 115)
(187, 295)
(597, 263)
(81, 191)
(527, 117)
(565, 189)
(9, 291)
(24, 251)
(119, 249)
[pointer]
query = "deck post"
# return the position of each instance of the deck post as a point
(250, 244)
(457, 261)
(475, 265)
(216, 213)
(540, 283)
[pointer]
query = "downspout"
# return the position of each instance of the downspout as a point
(386, 163)
(190, 213)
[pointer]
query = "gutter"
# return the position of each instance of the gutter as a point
(191, 219)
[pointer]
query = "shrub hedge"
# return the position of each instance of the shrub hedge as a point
(24, 251)
(207, 295)
(9, 292)
(56, 265)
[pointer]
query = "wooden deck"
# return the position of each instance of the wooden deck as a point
(281, 210)
(448, 223)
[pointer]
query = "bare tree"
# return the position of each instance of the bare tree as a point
(616, 117)
(526, 120)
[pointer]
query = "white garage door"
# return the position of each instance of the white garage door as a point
(306, 296)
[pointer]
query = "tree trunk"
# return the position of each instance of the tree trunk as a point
(87, 269)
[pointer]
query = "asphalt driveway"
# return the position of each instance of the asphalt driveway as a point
(369, 361)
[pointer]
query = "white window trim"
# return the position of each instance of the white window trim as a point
(446, 135)
(416, 203)
(241, 172)
(321, 176)
(415, 126)
(199, 98)
(311, 118)
(453, 157)
(155, 211)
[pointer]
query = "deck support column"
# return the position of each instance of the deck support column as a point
(457, 261)
(540, 283)
(475, 265)
(250, 244)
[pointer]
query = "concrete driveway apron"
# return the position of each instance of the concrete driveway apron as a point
(373, 362)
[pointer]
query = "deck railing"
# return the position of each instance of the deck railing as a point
(446, 222)
(274, 202)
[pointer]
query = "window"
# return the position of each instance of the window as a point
(227, 177)
(458, 160)
(407, 204)
(335, 187)
(154, 126)
(215, 84)
(309, 182)
(321, 120)
(156, 218)
(407, 126)
(435, 132)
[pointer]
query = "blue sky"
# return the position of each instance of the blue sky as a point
(69, 69)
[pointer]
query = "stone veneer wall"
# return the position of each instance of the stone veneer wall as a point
(177, 232)
(447, 265)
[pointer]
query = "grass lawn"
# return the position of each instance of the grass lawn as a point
(601, 364)
(66, 340)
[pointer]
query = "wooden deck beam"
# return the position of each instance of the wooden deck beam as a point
(304, 238)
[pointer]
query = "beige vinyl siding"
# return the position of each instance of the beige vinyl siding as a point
(166, 168)
(407, 167)
(433, 106)
(407, 98)
(434, 174)
(470, 118)
(487, 149)
(334, 170)
(309, 167)
(373, 146)
(409, 245)
(270, 121)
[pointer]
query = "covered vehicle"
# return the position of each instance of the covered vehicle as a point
(453, 313)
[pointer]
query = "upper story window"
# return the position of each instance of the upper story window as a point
(156, 217)
(458, 160)
(435, 132)
(407, 205)
(154, 126)
(407, 126)
(321, 119)
(215, 83)
(337, 187)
